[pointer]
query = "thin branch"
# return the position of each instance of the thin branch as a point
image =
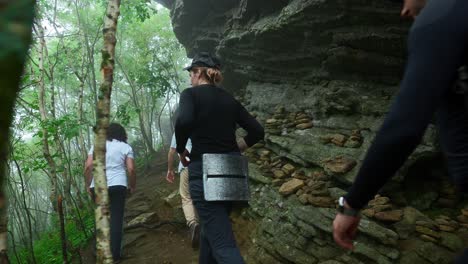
(32, 60)
(27, 106)
(59, 36)
(27, 85)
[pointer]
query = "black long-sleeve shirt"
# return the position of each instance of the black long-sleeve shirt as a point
(438, 43)
(208, 116)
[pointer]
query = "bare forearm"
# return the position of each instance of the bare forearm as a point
(88, 175)
(170, 159)
(132, 178)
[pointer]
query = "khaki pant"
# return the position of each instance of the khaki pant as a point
(189, 210)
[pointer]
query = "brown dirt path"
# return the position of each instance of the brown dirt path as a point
(166, 244)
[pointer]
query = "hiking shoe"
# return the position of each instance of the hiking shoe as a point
(195, 235)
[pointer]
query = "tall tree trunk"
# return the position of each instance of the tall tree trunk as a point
(63, 236)
(90, 47)
(44, 119)
(17, 215)
(89, 55)
(87, 66)
(28, 212)
(149, 117)
(16, 18)
(81, 118)
(102, 123)
(54, 166)
(145, 130)
(159, 123)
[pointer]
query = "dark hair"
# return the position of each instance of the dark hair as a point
(116, 131)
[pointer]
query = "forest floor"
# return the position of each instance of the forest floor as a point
(155, 242)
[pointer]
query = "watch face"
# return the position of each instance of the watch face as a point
(341, 201)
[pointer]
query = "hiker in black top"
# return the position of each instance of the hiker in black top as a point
(208, 116)
(438, 46)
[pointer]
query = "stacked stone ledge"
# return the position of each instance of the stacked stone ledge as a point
(310, 186)
(354, 140)
(313, 187)
(283, 123)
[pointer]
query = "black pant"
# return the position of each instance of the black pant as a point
(117, 196)
(452, 116)
(462, 259)
(217, 242)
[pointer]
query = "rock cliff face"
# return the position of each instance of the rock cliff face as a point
(320, 75)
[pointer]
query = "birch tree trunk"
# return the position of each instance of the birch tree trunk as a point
(102, 123)
(81, 141)
(16, 17)
(44, 118)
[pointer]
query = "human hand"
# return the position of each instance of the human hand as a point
(132, 189)
(411, 8)
(345, 229)
(170, 176)
(241, 144)
(184, 158)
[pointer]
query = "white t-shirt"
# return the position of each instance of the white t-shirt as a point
(188, 147)
(116, 169)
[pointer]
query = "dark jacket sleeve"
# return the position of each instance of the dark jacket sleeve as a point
(185, 119)
(251, 125)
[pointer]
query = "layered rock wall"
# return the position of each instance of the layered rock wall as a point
(321, 75)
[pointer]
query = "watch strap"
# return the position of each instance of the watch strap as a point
(348, 211)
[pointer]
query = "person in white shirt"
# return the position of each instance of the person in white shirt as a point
(187, 206)
(121, 176)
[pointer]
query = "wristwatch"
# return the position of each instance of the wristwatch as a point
(346, 210)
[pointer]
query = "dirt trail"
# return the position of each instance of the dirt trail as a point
(168, 243)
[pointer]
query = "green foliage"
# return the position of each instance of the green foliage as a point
(159, 65)
(136, 11)
(67, 126)
(29, 157)
(48, 249)
(123, 114)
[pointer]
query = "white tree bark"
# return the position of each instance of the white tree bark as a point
(102, 123)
